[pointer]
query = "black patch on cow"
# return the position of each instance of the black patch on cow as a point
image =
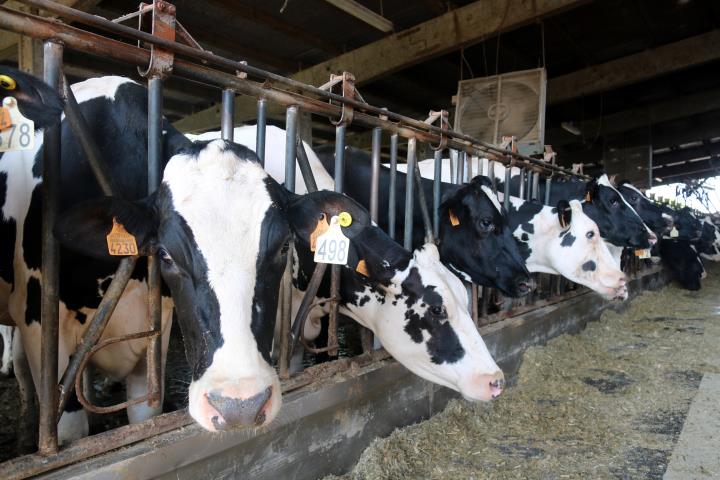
(444, 344)
(363, 300)
(32, 303)
(80, 317)
(7, 235)
(32, 231)
(568, 239)
(525, 237)
(528, 227)
(105, 284)
(589, 266)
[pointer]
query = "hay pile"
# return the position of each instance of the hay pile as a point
(607, 403)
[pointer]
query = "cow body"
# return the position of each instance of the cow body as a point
(682, 260)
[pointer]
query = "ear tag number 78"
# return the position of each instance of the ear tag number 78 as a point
(16, 131)
(332, 246)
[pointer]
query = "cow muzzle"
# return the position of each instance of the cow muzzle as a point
(233, 411)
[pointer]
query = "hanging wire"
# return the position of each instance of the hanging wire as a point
(464, 61)
(485, 57)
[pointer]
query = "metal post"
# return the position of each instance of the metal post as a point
(335, 269)
(528, 188)
(393, 185)
(260, 133)
(339, 157)
(548, 184)
(535, 185)
(506, 187)
(437, 182)
(227, 117)
(410, 194)
(291, 123)
(155, 142)
(521, 190)
(460, 167)
(305, 169)
(49, 309)
(491, 174)
(375, 173)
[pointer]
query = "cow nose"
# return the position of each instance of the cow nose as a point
(652, 239)
(525, 286)
(497, 385)
(238, 411)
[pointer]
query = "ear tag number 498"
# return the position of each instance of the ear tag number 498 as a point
(16, 131)
(332, 246)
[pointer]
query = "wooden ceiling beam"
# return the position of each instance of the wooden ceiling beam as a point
(433, 38)
(635, 68)
(363, 14)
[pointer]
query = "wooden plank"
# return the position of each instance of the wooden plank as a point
(636, 68)
(461, 27)
(360, 12)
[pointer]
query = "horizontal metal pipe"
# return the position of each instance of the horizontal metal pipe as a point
(37, 27)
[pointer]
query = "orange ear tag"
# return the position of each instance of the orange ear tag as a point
(320, 228)
(120, 242)
(453, 219)
(588, 198)
(5, 120)
(362, 268)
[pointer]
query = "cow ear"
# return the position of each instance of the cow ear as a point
(564, 213)
(309, 215)
(85, 227)
(591, 190)
(452, 209)
(35, 99)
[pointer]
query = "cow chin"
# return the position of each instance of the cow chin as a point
(218, 404)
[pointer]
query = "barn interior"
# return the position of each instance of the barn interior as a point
(629, 84)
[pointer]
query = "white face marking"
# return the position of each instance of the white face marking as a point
(493, 198)
(223, 199)
(98, 87)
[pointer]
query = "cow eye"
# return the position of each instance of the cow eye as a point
(438, 311)
(487, 225)
(634, 198)
(285, 248)
(164, 255)
(614, 203)
(590, 235)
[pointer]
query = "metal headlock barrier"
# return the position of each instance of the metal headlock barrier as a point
(157, 55)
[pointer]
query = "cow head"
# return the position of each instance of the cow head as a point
(709, 243)
(576, 251)
(476, 241)
(414, 305)
(218, 225)
(688, 226)
(649, 211)
(35, 99)
(682, 259)
(618, 222)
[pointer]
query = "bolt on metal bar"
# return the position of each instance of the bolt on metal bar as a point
(154, 166)
(393, 185)
(97, 325)
(375, 173)
(49, 308)
(227, 116)
(260, 130)
(437, 183)
(80, 129)
(409, 194)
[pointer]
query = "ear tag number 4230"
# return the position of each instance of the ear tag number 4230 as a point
(16, 131)
(332, 246)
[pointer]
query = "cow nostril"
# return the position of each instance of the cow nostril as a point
(498, 383)
(235, 411)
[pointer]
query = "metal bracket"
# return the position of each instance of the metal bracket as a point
(163, 26)
(442, 116)
(347, 80)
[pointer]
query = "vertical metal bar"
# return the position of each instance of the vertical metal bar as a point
(474, 304)
(460, 167)
(491, 175)
(260, 131)
(535, 185)
(437, 182)
(506, 187)
(410, 193)
(375, 173)
(521, 190)
(650, 165)
(453, 164)
(305, 169)
(335, 269)
(155, 142)
(528, 188)
(227, 117)
(393, 185)
(49, 313)
(548, 184)
(291, 123)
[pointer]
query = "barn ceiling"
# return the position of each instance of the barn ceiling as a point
(632, 75)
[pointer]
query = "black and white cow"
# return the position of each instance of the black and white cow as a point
(474, 240)
(651, 213)
(413, 304)
(682, 260)
(709, 243)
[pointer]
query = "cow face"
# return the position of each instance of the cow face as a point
(709, 243)
(477, 243)
(579, 254)
(35, 99)
(217, 224)
(618, 222)
(649, 211)
(413, 304)
(688, 226)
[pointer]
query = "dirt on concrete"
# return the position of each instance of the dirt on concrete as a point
(607, 403)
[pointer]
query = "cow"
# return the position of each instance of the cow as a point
(681, 258)
(650, 212)
(708, 245)
(6, 339)
(474, 240)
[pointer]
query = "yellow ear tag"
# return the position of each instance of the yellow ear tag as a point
(7, 83)
(120, 242)
(19, 134)
(453, 219)
(320, 228)
(362, 268)
(344, 219)
(642, 253)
